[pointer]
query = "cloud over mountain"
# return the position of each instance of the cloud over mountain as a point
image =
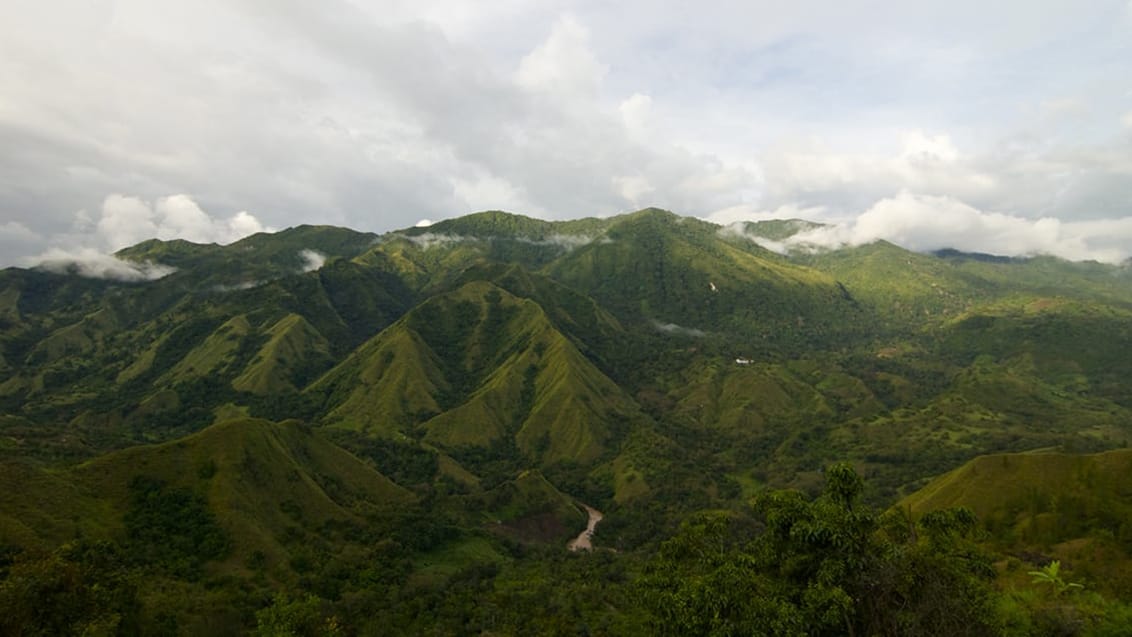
(91, 263)
(375, 115)
(925, 223)
(124, 221)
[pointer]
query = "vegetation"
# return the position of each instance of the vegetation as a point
(399, 441)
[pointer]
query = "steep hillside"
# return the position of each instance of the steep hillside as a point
(285, 361)
(906, 288)
(479, 367)
(657, 269)
(268, 485)
(1075, 508)
(453, 393)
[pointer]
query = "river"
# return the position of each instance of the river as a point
(584, 541)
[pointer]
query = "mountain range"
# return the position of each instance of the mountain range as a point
(321, 390)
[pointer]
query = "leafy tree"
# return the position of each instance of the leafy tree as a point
(295, 617)
(827, 566)
(172, 529)
(78, 589)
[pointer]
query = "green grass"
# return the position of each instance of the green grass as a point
(281, 365)
(433, 569)
(1077, 508)
(215, 354)
(262, 481)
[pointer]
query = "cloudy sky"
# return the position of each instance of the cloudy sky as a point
(1002, 127)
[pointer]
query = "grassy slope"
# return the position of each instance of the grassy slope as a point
(293, 346)
(1077, 508)
(215, 355)
(388, 384)
(903, 286)
(475, 366)
(654, 266)
(253, 259)
(260, 480)
(985, 355)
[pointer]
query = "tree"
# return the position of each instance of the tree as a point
(827, 566)
(79, 589)
(1050, 574)
(295, 617)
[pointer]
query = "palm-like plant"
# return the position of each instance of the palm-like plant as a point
(1051, 574)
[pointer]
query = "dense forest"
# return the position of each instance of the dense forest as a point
(864, 441)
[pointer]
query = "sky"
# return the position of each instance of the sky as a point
(1001, 127)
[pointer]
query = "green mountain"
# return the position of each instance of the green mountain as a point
(465, 386)
(285, 361)
(251, 260)
(479, 367)
(658, 269)
(268, 485)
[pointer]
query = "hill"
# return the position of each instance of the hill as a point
(479, 367)
(268, 485)
(449, 396)
(1042, 506)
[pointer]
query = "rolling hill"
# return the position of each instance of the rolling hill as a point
(267, 484)
(398, 424)
(1043, 506)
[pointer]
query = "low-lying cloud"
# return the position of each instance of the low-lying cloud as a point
(431, 240)
(925, 223)
(672, 328)
(92, 264)
(312, 260)
(566, 242)
(238, 287)
(124, 221)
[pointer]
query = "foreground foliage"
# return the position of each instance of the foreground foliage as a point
(828, 566)
(790, 565)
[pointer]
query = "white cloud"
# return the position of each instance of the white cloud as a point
(238, 226)
(798, 225)
(747, 212)
(374, 115)
(125, 221)
(813, 172)
(91, 263)
(16, 232)
(312, 260)
(679, 330)
(926, 223)
(488, 192)
(925, 150)
(567, 242)
(636, 112)
(429, 240)
(564, 64)
(633, 188)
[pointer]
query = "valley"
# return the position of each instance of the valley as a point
(399, 440)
